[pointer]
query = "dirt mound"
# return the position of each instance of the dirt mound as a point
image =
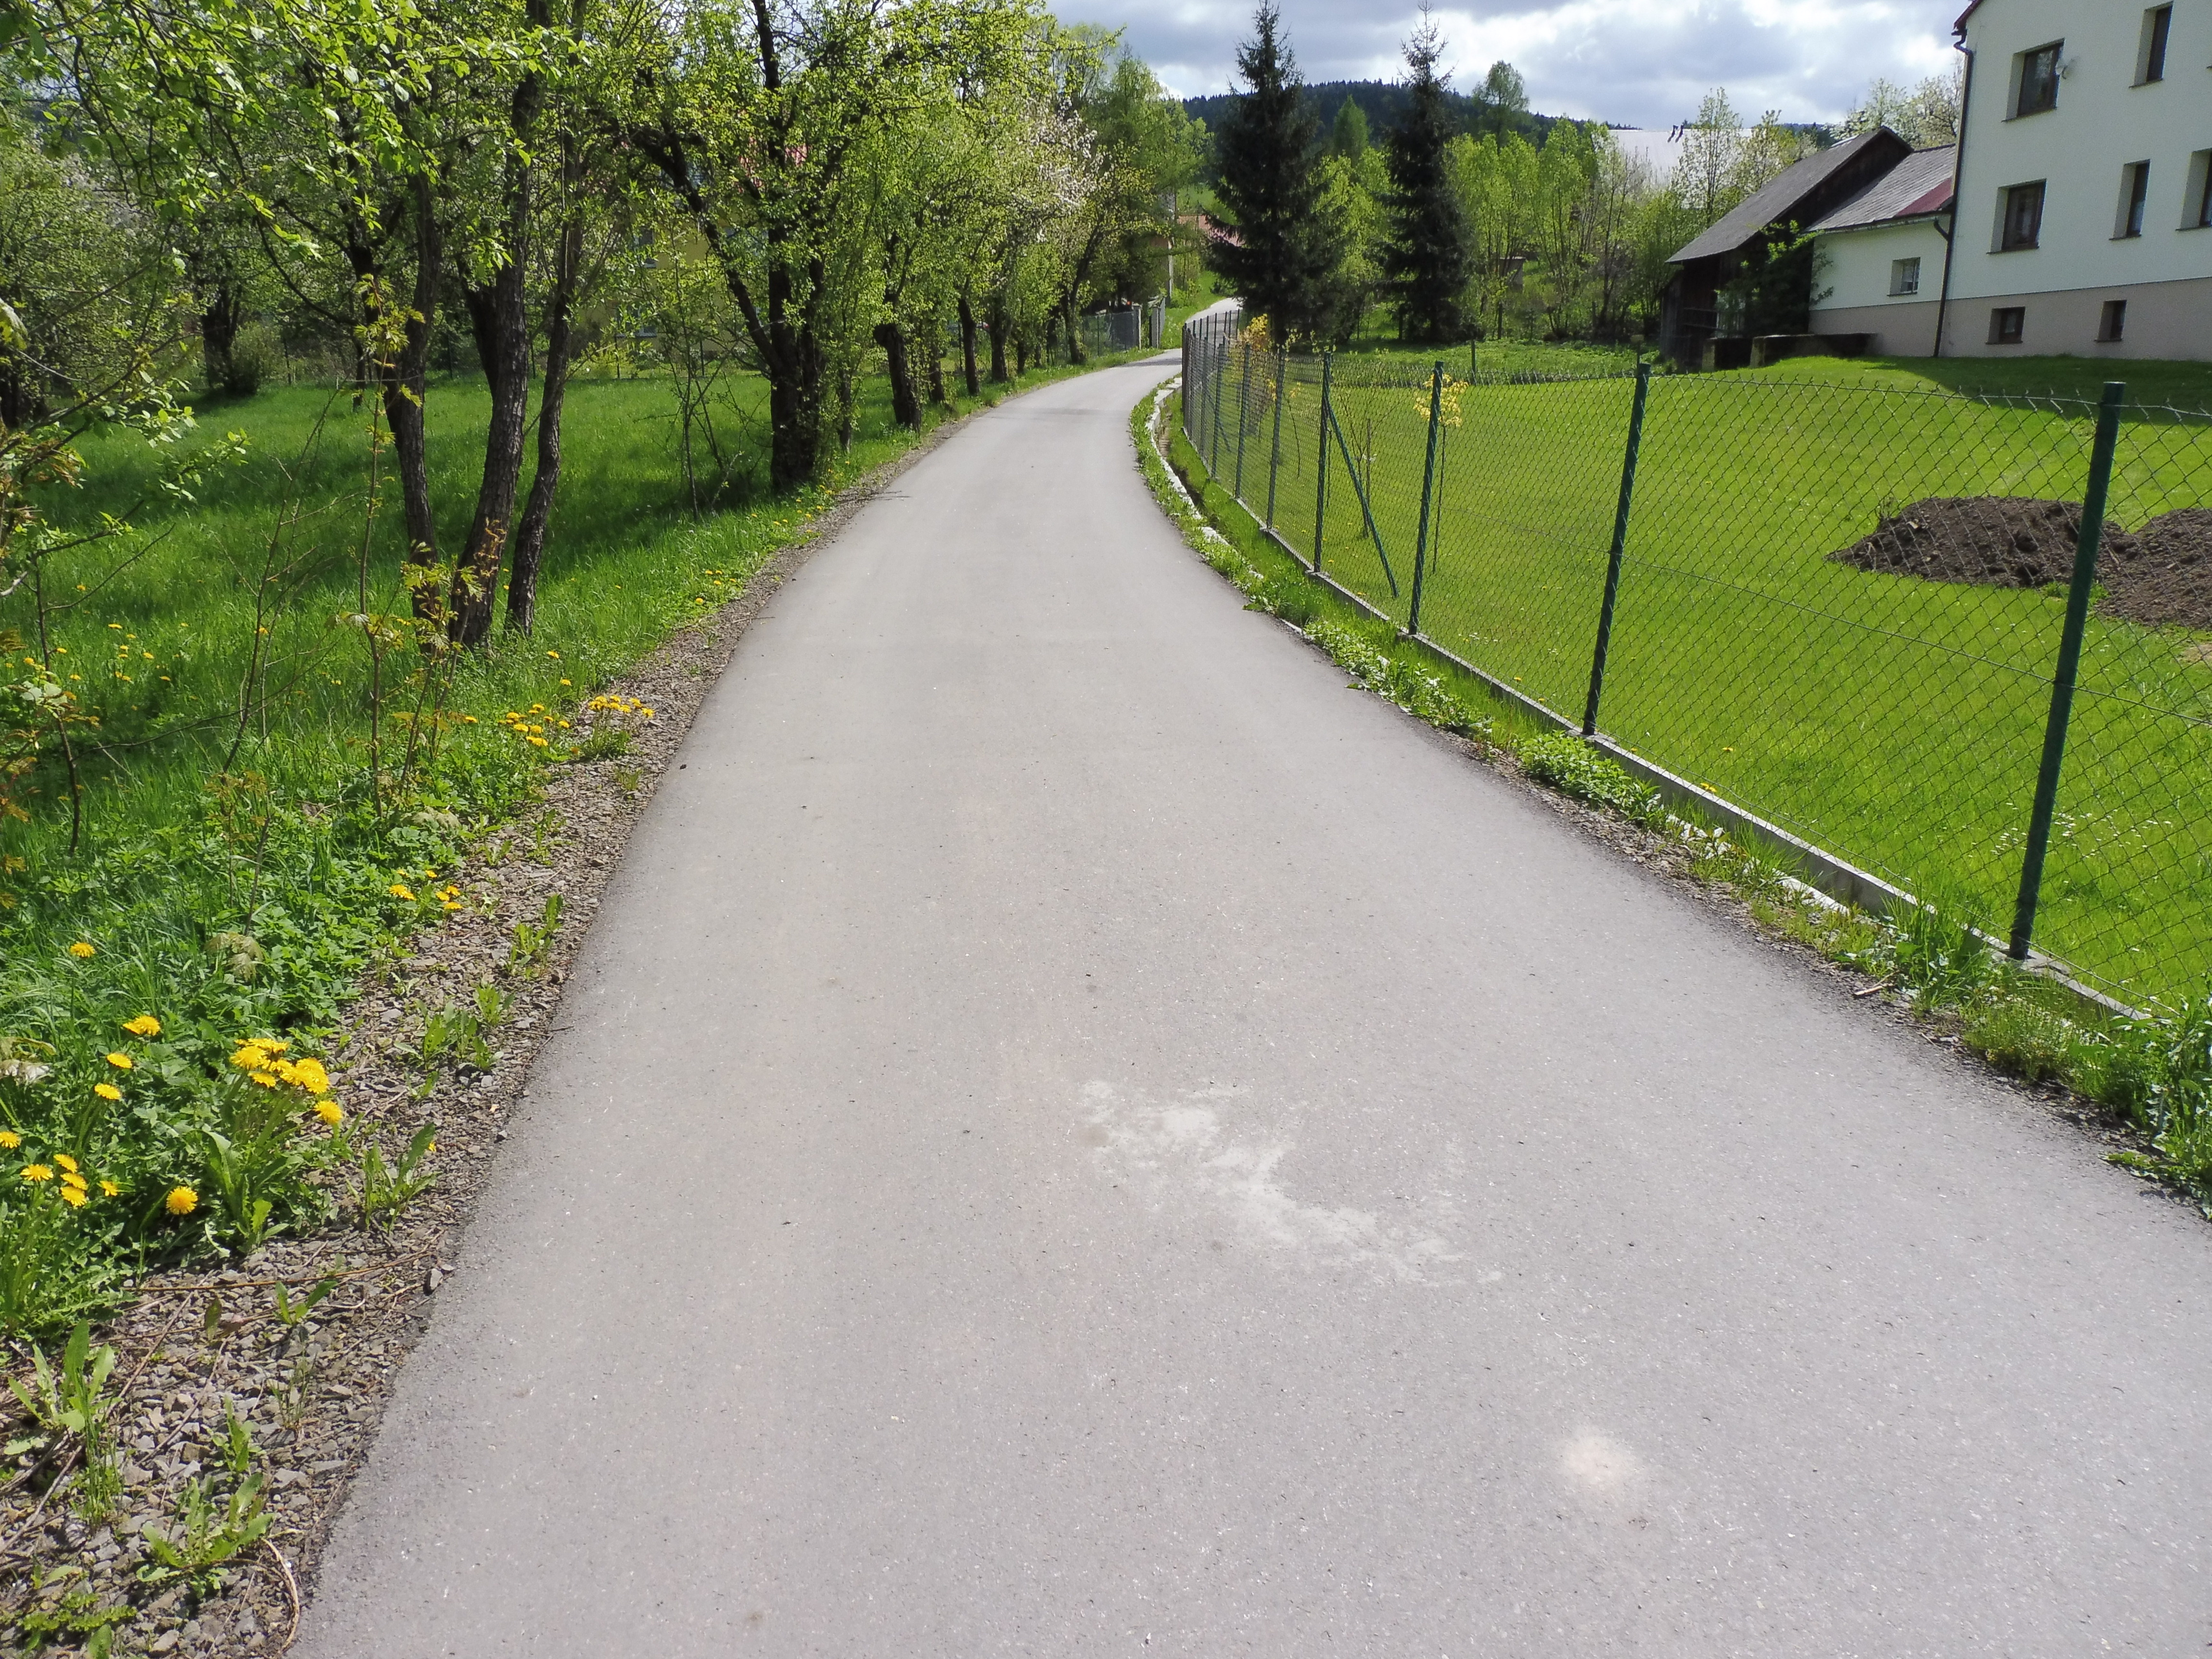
(1991, 541)
(2161, 577)
(2168, 584)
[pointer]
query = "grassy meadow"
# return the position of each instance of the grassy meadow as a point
(1895, 721)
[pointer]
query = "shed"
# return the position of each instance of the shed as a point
(1803, 195)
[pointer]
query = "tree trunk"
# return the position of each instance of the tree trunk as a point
(560, 342)
(906, 406)
(402, 383)
(937, 362)
(967, 347)
(499, 312)
(219, 322)
(995, 325)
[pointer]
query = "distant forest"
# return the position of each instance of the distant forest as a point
(1381, 101)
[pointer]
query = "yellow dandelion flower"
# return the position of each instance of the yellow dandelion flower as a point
(81, 949)
(330, 1112)
(107, 1091)
(145, 1026)
(251, 1057)
(181, 1200)
(9, 1140)
(73, 1183)
(308, 1074)
(37, 1172)
(109, 1189)
(74, 1197)
(121, 1062)
(66, 1162)
(538, 743)
(399, 890)
(266, 1079)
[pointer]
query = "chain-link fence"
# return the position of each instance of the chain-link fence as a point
(1862, 614)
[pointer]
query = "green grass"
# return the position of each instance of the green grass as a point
(1896, 722)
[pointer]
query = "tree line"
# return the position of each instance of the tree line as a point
(1470, 234)
(801, 188)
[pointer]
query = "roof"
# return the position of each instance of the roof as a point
(1915, 188)
(1773, 200)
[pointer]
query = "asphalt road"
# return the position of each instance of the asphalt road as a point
(1075, 1132)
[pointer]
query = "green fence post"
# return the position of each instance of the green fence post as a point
(1320, 471)
(1243, 417)
(1220, 373)
(1619, 545)
(1428, 483)
(2068, 665)
(1275, 444)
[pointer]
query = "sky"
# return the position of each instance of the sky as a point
(1638, 62)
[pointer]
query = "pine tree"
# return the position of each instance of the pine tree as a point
(1270, 186)
(1425, 255)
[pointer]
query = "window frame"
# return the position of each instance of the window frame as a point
(2135, 201)
(2157, 37)
(2007, 197)
(1899, 271)
(2022, 65)
(2017, 316)
(2113, 322)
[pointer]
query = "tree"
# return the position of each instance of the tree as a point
(1347, 135)
(1925, 116)
(1705, 173)
(1271, 188)
(1424, 256)
(1506, 96)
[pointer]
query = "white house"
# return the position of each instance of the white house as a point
(1880, 265)
(2077, 214)
(2084, 222)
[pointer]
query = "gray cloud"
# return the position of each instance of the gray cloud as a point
(1641, 63)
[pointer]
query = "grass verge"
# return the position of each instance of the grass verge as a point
(2149, 1076)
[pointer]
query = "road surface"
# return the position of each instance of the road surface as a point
(1074, 1132)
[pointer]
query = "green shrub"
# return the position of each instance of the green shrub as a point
(255, 356)
(1573, 768)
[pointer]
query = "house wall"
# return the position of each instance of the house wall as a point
(2166, 321)
(2104, 121)
(1855, 270)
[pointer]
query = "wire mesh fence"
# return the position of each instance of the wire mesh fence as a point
(1862, 613)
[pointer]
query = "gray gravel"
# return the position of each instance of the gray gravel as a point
(1073, 1131)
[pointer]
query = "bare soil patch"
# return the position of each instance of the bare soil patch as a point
(2158, 577)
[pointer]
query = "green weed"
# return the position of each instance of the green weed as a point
(206, 1536)
(1572, 766)
(388, 1187)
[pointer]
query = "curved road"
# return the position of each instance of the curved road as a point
(1076, 1133)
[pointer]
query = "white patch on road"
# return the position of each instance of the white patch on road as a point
(1181, 1147)
(1600, 1465)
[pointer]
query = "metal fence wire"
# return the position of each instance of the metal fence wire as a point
(1866, 615)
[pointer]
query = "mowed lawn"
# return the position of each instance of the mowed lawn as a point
(1895, 721)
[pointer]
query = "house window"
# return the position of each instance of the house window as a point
(2037, 87)
(2203, 188)
(2112, 320)
(1905, 276)
(2022, 222)
(2150, 56)
(2008, 325)
(2135, 194)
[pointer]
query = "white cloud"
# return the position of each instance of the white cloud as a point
(1620, 60)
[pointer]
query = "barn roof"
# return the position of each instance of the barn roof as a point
(1915, 188)
(1774, 201)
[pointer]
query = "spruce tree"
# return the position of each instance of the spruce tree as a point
(1425, 255)
(1348, 137)
(1270, 186)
